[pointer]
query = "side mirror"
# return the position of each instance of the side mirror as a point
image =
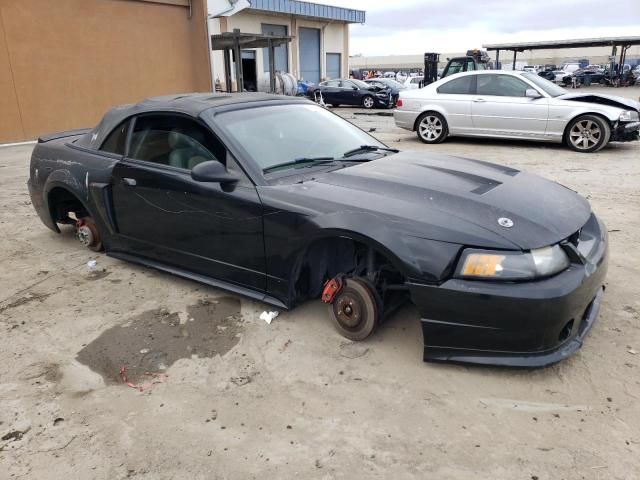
(212, 171)
(532, 93)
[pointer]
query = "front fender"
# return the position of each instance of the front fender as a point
(413, 256)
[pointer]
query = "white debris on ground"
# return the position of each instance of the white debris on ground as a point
(268, 316)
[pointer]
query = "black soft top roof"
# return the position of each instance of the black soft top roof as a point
(192, 104)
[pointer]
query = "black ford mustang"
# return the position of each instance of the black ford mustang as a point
(280, 200)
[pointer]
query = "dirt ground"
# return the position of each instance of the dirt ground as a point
(236, 398)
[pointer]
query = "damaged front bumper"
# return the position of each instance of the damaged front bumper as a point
(527, 324)
(625, 132)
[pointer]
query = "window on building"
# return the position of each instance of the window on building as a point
(333, 65)
(174, 140)
(281, 52)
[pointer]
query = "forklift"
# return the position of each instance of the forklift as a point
(474, 60)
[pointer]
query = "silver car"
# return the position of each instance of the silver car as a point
(507, 104)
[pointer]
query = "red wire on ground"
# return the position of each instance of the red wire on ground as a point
(159, 378)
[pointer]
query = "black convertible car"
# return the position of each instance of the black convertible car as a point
(280, 200)
(352, 92)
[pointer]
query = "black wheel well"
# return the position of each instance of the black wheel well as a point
(594, 114)
(62, 202)
(327, 257)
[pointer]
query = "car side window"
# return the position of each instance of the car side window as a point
(346, 84)
(117, 139)
(174, 140)
(331, 83)
(501, 86)
(459, 86)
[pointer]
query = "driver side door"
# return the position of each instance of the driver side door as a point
(162, 214)
(501, 108)
(349, 93)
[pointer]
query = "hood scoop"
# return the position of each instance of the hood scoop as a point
(476, 184)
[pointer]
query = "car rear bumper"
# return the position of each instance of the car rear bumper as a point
(528, 324)
(405, 118)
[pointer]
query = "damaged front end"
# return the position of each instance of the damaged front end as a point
(627, 127)
(525, 324)
(625, 131)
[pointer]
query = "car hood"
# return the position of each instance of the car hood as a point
(602, 99)
(454, 199)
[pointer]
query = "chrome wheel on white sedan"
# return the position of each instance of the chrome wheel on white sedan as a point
(587, 133)
(431, 128)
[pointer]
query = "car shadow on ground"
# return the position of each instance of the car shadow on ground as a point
(513, 143)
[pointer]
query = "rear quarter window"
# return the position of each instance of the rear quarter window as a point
(117, 139)
(460, 86)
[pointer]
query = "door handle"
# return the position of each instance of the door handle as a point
(479, 100)
(129, 182)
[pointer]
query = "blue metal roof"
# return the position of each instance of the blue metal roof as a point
(307, 9)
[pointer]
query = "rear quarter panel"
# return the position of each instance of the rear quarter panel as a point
(456, 109)
(58, 163)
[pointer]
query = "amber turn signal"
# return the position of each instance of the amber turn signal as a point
(482, 265)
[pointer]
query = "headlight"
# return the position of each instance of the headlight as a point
(492, 265)
(629, 116)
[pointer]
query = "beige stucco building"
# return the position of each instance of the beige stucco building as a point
(63, 63)
(319, 47)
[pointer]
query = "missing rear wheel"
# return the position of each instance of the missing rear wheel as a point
(88, 235)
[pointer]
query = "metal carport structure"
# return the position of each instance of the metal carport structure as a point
(623, 42)
(235, 41)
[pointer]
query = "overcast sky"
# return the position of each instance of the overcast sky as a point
(396, 27)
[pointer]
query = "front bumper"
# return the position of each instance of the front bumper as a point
(384, 101)
(626, 132)
(528, 324)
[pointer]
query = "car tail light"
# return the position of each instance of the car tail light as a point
(399, 103)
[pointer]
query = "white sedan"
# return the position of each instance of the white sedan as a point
(559, 75)
(506, 104)
(413, 83)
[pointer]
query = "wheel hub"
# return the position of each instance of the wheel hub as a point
(349, 311)
(85, 235)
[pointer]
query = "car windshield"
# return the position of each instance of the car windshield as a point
(393, 83)
(360, 83)
(549, 87)
(278, 134)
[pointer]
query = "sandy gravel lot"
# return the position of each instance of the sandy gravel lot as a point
(242, 399)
